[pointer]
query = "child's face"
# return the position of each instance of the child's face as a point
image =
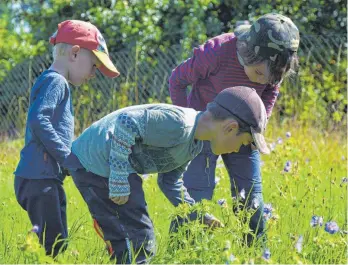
(83, 65)
(257, 73)
(227, 139)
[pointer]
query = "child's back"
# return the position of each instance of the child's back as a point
(49, 129)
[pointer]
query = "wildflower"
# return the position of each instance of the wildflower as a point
(287, 166)
(331, 227)
(222, 202)
(262, 163)
(280, 140)
(267, 211)
(299, 243)
(266, 254)
(35, 229)
(343, 158)
(316, 221)
(217, 180)
(344, 181)
(288, 134)
(307, 160)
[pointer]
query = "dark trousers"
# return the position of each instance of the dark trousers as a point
(45, 202)
(244, 172)
(126, 229)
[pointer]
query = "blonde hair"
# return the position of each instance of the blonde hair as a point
(59, 50)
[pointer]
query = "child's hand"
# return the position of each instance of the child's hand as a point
(120, 199)
(211, 221)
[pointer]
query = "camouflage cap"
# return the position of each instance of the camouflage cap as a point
(270, 35)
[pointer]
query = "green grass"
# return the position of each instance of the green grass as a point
(312, 187)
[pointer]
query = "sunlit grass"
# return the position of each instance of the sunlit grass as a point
(312, 186)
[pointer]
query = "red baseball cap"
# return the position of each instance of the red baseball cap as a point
(87, 36)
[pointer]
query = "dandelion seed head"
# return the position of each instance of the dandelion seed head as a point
(299, 244)
(272, 146)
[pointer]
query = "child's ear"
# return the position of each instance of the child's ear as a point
(74, 51)
(230, 125)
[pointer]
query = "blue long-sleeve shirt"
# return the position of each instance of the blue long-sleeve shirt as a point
(49, 129)
(153, 138)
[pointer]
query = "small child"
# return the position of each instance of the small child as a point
(260, 56)
(79, 49)
(156, 138)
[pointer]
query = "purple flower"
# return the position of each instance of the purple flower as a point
(266, 254)
(287, 166)
(288, 134)
(299, 243)
(316, 221)
(331, 227)
(267, 211)
(35, 229)
(222, 202)
(344, 181)
(280, 140)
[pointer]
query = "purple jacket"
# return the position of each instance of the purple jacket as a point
(213, 67)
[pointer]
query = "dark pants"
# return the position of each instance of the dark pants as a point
(126, 229)
(45, 202)
(244, 172)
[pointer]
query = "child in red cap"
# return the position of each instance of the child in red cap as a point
(79, 49)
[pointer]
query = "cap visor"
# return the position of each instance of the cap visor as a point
(260, 142)
(242, 31)
(107, 67)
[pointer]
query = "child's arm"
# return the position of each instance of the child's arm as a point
(126, 130)
(40, 115)
(269, 97)
(172, 185)
(205, 60)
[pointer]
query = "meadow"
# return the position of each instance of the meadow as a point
(305, 176)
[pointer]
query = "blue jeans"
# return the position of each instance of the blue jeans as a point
(244, 172)
(122, 227)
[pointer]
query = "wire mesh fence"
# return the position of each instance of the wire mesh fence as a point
(144, 79)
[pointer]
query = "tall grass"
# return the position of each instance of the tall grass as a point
(313, 186)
